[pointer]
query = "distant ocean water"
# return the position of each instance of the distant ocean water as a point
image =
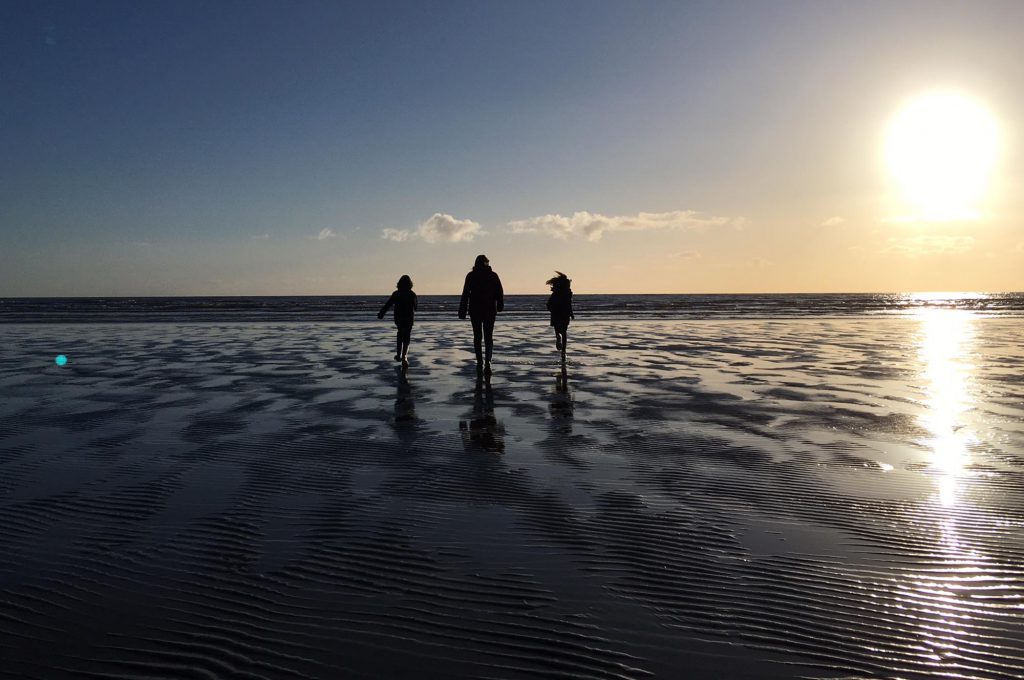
(445, 307)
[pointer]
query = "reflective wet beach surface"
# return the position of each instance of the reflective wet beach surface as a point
(811, 498)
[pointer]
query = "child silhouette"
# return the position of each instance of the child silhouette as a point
(404, 301)
(560, 306)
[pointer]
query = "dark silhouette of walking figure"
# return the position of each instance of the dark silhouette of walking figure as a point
(404, 301)
(560, 306)
(483, 298)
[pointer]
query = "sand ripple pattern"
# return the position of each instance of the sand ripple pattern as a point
(725, 499)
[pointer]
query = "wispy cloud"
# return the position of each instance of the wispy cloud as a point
(592, 226)
(685, 255)
(927, 218)
(834, 221)
(439, 228)
(396, 234)
(260, 237)
(928, 244)
(325, 234)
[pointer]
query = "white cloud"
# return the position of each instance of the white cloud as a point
(927, 244)
(592, 226)
(260, 237)
(325, 234)
(441, 227)
(834, 221)
(396, 234)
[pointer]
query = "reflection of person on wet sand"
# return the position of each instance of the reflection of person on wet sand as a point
(405, 404)
(561, 406)
(483, 431)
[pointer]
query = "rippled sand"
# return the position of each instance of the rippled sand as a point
(720, 499)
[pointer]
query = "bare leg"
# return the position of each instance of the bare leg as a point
(561, 337)
(404, 336)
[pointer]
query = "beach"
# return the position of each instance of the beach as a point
(723, 498)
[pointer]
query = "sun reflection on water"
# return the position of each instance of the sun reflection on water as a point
(947, 341)
(939, 594)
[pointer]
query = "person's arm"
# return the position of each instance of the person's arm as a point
(386, 307)
(550, 298)
(499, 294)
(464, 302)
(415, 302)
(572, 314)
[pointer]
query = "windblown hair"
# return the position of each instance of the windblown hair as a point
(560, 282)
(404, 283)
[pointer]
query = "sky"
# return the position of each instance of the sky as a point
(288, 148)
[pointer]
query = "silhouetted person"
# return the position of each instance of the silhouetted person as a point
(560, 306)
(404, 301)
(483, 298)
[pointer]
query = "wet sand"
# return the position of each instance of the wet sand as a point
(720, 499)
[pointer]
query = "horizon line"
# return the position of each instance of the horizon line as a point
(339, 295)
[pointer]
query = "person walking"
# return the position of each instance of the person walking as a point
(482, 298)
(405, 302)
(560, 306)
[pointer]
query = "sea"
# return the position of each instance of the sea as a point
(355, 308)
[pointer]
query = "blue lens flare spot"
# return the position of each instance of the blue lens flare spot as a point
(61, 360)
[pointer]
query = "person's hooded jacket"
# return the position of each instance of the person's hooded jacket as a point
(482, 295)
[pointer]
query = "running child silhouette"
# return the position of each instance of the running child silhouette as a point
(404, 301)
(560, 306)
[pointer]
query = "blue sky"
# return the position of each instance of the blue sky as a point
(282, 147)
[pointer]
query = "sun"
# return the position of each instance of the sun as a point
(941, 148)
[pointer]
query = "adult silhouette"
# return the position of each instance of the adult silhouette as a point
(482, 298)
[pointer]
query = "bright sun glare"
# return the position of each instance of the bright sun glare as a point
(941, 148)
